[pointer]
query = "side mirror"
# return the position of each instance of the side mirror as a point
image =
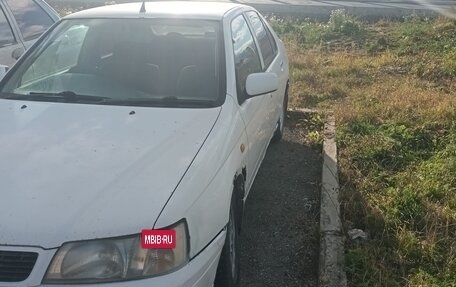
(3, 70)
(261, 83)
(17, 53)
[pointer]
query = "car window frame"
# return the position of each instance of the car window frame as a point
(12, 24)
(268, 35)
(18, 31)
(271, 37)
(49, 10)
(241, 98)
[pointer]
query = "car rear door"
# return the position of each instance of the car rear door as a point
(9, 41)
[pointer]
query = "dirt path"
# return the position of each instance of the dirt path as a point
(279, 239)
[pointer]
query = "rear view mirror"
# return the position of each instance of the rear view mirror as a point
(3, 70)
(261, 83)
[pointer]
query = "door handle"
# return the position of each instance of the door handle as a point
(281, 66)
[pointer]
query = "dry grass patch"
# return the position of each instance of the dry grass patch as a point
(392, 87)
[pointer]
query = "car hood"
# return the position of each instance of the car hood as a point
(74, 171)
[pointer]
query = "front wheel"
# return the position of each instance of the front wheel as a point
(228, 268)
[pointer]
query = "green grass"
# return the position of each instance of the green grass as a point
(314, 34)
(392, 87)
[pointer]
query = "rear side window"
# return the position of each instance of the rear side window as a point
(246, 58)
(264, 37)
(6, 35)
(30, 17)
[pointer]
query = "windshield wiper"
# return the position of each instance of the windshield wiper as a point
(160, 102)
(71, 97)
(65, 96)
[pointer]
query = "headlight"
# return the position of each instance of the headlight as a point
(115, 259)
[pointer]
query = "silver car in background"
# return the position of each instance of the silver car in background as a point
(21, 23)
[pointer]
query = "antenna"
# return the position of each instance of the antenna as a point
(143, 7)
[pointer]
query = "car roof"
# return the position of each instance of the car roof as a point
(169, 9)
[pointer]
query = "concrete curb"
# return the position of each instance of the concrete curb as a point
(331, 267)
(303, 110)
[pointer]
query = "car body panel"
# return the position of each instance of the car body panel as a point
(88, 165)
(201, 199)
(199, 272)
(204, 200)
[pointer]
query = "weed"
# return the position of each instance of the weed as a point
(393, 90)
(340, 21)
(340, 27)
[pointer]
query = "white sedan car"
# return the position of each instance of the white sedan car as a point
(130, 137)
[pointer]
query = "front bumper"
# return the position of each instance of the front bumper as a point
(199, 272)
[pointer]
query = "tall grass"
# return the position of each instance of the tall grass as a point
(392, 86)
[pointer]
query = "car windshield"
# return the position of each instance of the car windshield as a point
(148, 62)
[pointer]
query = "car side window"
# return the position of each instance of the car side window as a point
(30, 17)
(263, 36)
(271, 38)
(246, 57)
(6, 34)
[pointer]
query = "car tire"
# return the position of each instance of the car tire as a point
(228, 269)
(278, 133)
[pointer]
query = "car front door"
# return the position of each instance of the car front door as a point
(253, 110)
(8, 41)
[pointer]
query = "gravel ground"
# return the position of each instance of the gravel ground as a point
(279, 238)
